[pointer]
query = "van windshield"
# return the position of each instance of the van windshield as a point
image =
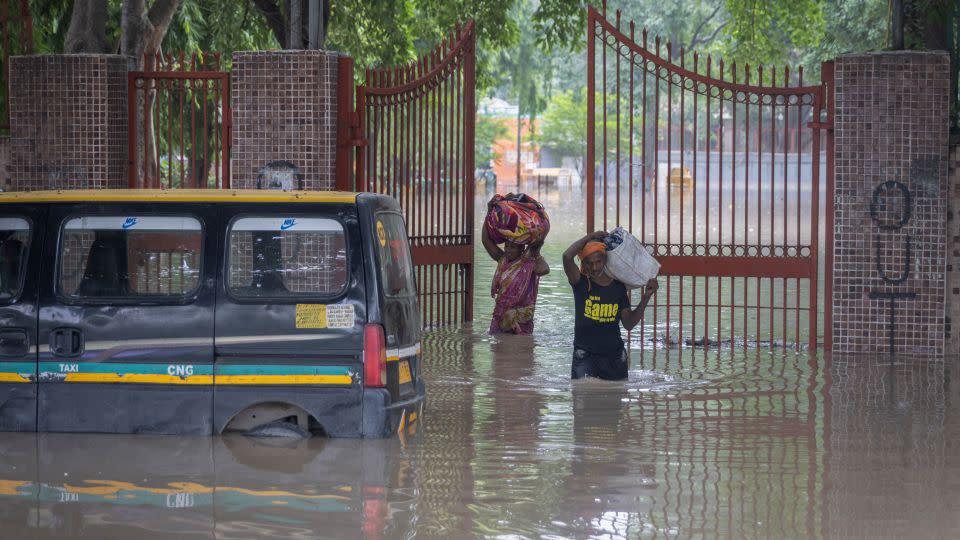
(287, 256)
(14, 241)
(396, 265)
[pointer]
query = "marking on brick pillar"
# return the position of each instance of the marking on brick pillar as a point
(280, 175)
(883, 207)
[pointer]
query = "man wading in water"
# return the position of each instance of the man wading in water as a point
(600, 305)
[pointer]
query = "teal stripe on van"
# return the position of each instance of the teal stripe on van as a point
(126, 373)
(141, 369)
(18, 372)
(279, 369)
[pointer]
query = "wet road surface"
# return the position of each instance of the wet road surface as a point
(733, 445)
(719, 443)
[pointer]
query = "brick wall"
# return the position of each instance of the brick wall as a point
(891, 171)
(284, 112)
(68, 122)
(953, 252)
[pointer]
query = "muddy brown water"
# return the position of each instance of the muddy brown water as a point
(722, 443)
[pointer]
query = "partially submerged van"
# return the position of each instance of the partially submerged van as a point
(204, 311)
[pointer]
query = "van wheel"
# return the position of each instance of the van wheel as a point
(278, 428)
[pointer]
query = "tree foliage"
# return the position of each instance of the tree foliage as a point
(487, 132)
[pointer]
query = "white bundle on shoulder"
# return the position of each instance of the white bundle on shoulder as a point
(628, 261)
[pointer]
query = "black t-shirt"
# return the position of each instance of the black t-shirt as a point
(597, 328)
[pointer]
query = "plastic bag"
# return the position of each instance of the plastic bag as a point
(517, 218)
(628, 261)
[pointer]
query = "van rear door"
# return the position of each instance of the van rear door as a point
(397, 291)
(21, 245)
(290, 314)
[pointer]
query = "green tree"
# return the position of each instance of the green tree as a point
(564, 123)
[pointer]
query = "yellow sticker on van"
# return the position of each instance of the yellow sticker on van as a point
(381, 234)
(324, 316)
(311, 316)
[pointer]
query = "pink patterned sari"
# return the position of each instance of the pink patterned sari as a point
(515, 288)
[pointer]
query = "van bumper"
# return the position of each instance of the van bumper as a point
(381, 418)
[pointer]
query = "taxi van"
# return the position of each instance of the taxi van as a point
(205, 311)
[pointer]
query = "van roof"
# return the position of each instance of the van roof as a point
(178, 195)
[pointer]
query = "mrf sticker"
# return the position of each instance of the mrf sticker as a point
(324, 316)
(381, 234)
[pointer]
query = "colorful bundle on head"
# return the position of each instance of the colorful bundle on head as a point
(517, 218)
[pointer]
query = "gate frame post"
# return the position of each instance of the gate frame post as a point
(344, 179)
(469, 126)
(826, 78)
(591, 118)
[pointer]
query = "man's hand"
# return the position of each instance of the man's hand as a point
(650, 288)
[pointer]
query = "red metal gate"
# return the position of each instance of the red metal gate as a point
(418, 124)
(179, 123)
(717, 169)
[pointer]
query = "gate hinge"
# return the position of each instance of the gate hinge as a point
(820, 125)
(354, 134)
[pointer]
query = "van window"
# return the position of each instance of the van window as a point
(396, 266)
(130, 256)
(14, 241)
(283, 256)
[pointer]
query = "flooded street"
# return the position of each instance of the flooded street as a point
(718, 443)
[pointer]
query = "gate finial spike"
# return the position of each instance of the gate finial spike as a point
(733, 70)
(632, 31)
(746, 73)
(721, 69)
(658, 45)
(604, 8)
(618, 20)
(681, 57)
(760, 75)
(644, 38)
(786, 76)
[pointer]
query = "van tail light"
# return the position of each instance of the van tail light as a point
(374, 356)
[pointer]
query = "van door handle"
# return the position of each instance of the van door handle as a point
(66, 342)
(14, 342)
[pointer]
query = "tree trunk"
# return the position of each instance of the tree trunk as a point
(87, 32)
(141, 32)
(896, 25)
(519, 131)
(296, 25)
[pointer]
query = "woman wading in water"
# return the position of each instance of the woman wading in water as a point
(515, 284)
(600, 307)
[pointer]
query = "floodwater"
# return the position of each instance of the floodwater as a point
(716, 443)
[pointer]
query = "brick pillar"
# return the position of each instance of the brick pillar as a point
(891, 128)
(284, 106)
(68, 122)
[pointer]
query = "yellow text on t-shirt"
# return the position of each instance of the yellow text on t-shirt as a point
(596, 311)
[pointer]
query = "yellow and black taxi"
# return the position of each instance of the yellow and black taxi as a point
(204, 311)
